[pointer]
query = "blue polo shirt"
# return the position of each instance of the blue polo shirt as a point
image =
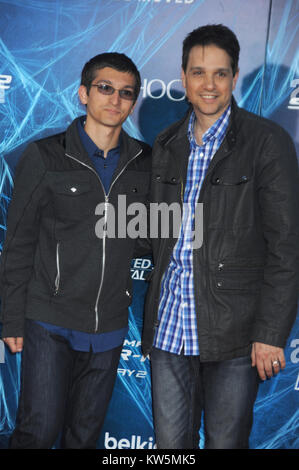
(78, 340)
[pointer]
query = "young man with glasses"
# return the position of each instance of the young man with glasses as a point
(65, 291)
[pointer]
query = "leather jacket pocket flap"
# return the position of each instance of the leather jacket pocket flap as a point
(72, 189)
(166, 177)
(231, 177)
(135, 183)
(245, 281)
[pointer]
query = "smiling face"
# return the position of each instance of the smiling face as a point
(108, 110)
(209, 81)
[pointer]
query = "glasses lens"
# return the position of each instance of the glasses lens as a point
(105, 89)
(126, 94)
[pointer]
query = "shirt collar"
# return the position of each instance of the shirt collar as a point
(91, 148)
(216, 131)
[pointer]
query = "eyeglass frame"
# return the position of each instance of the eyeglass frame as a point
(114, 89)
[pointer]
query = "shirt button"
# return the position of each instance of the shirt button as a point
(201, 154)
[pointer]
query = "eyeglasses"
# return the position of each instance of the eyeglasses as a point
(106, 89)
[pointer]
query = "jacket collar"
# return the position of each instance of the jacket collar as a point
(179, 129)
(175, 143)
(175, 140)
(129, 147)
(229, 140)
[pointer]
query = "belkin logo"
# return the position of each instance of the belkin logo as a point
(135, 442)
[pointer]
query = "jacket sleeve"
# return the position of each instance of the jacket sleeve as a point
(20, 241)
(278, 198)
(142, 248)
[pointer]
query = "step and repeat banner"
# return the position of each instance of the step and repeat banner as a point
(43, 47)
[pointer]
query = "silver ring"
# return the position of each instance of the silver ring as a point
(275, 363)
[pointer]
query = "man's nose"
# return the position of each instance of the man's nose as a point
(115, 98)
(209, 82)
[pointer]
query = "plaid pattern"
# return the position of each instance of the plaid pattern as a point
(177, 314)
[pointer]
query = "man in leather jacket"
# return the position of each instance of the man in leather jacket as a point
(65, 287)
(218, 315)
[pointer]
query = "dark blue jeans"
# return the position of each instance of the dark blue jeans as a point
(183, 388)
(62, 391)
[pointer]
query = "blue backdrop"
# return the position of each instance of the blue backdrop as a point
(43, 47)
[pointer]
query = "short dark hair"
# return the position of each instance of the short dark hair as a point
(116, 61)
(217, 34)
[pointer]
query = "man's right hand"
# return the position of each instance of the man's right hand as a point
(14, 344)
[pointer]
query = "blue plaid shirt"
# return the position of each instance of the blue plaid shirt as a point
(177, 329)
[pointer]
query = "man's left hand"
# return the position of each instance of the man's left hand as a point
(269, 360)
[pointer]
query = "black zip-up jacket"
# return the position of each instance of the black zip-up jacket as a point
(246, 271)
(54, 266)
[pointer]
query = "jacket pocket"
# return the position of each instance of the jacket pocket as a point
(72, 189)
(231, 176)
(73, 195)
(166, 187)
(232, 198)
(166, 177)
(230, 181)
(134, 184)
(239, 276)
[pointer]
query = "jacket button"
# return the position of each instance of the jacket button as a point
(219, 284)
(220, 266)
(217, 180)
(173, 179)
(158, 177)
(134, 190)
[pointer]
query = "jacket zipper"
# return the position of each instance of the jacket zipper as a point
(104, 235)
(57, 279)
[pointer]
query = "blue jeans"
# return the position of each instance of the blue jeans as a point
(63, 391)
(183, 388)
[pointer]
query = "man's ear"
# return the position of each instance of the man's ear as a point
(235, 78)
(133, 107)
(82, 92)
(183, 78)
